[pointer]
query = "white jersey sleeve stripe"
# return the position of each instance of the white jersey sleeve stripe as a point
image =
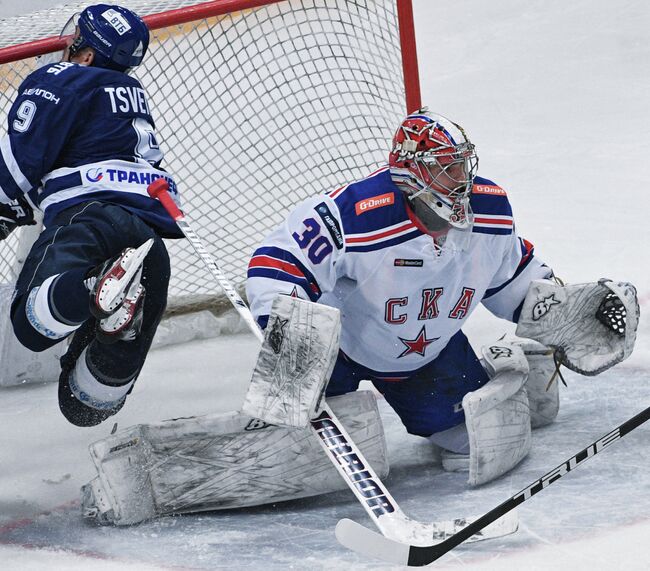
(4, 199)
(384, 234)
(12, 165)
(493, 221)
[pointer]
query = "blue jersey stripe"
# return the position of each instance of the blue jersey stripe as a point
(279, 275)
(521, 268)
(60, 183)
(310, 284)
(498, 231)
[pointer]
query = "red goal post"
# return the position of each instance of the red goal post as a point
(258, 104)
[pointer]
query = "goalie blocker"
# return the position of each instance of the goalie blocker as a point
(295, 362)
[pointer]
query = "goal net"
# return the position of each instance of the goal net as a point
(256, 108)
(258, 105)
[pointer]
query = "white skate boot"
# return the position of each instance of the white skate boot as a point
(109, 287)
(126, 322)
(117, 296)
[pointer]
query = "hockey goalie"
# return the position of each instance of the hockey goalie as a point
(405, 256)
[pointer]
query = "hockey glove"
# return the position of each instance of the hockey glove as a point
(16, 213)
(590, 327)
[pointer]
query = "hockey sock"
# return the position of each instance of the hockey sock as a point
(68, 296)
(51, 311)
(86, 398)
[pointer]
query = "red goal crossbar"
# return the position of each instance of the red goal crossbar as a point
(221, 7)
(262, 103)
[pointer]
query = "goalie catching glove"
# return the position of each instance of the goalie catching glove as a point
(16, 213)
(591, 327)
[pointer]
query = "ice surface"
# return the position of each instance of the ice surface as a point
(555, 96)
(594, 518)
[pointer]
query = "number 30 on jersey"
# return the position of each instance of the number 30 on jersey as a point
(318, 247)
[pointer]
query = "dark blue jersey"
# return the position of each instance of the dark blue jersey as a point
(79, 133)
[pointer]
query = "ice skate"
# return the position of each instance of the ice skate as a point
(126, 322)
(112, 282)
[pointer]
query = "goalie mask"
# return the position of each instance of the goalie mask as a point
(119, 36)
(433, 162)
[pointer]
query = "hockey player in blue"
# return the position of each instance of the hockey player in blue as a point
(406, 255)
(81, 147)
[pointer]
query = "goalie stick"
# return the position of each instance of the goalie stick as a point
(334, 439)
(367, 542)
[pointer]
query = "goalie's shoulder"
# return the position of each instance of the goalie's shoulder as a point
(491, 208)
(373, 213)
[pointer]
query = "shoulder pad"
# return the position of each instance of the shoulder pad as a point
(370, 204)
(491, 207)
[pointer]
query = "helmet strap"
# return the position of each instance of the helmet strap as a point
(75, 47)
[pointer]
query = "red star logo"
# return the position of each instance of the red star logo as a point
(294, 293)
(418, 345)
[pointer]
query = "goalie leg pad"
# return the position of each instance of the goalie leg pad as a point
(497, 416)
(541, 385)
(221, 461)
(543, 392)
(295, 362)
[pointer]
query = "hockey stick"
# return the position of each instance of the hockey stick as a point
(367, 542)
(334, 439)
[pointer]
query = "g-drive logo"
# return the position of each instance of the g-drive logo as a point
(374, 202)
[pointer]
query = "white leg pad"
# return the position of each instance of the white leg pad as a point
(497, 416)
(543, 395)
(295, 362)
(221, 461)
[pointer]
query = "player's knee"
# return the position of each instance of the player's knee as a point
(157, 265)
(497, 419)
(542, 384)
(29, 329)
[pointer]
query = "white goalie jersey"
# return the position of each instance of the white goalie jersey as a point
(402, 295)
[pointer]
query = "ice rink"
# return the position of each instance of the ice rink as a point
(555, 97)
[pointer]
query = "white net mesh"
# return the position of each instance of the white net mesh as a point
(255, 110)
